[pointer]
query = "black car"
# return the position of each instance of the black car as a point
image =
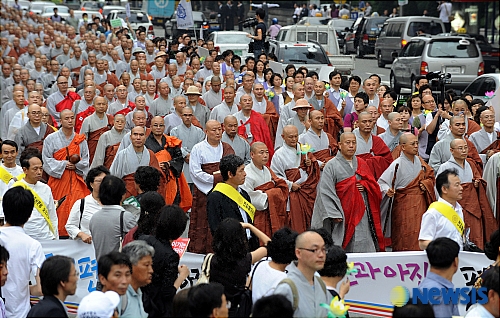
(490, 53)
(361, 37)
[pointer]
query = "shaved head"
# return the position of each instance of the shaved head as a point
(345, 135)
(256, 145)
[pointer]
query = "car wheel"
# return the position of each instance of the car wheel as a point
(359, 52)
(380, 62)
(394, 84)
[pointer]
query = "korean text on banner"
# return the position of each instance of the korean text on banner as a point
(184, 15)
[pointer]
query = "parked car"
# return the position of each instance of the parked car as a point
(199, 19)
(490, 53)
(486, 83)
(107, 9)
(361, 37)
(92, 5)
(458, 55)
(25, 5)
(308, 54)
(398, 31)
(231, 40)
(48, 11)
(313, 21)
(137, 18)
(37, 6)
(340, 26)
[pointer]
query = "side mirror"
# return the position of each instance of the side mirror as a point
(394, 55)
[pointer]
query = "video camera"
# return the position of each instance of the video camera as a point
(438, 78)
(248, 23)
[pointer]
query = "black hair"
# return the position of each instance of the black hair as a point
(9, 143)
(229, 163)
(17, 206)
(392, 94)
(333, 74)
(227, 52)
(325, 235)
(363, 96)
(211, 51)
(4, 255)
(272, 57)
(218, 58)
(402, 108)
(355, 78)
(230, 230)
(28, 154)
(93, 173)
(491, 248)
(442, 179)
(261, 13)
(204, 298)
(335, 263)
(235, 58)
(303, 69)
(414, 310)
(112, 190)
(107, 261)
(410, 100)
(258, 57)
(151, 203)
(423, 88)
(297, 72)
(172, 221)
(250, 58)
(54, 270)
(180, 304)
(147, 178)
(490, 279)
(377, 76)
(312, 73)
(273, 306)
(479, 111)
(255, 66)
(442, 252)
(419, 78)
(281, 248)
(289, 66)
(274, 76)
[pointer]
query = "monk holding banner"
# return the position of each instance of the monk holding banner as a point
(371, 148)
(300, 169)
(268, 192)
(476, 209)
(132, 157)
(323, 144)
(204, 169)
(407, 190)
(353, 222)
(66, 160)
(96, 124)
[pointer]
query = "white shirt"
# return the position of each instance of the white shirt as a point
(434, 225)
(478, 311)
(16, 171)
(264, 281)
(91, 206)
(203, 153)
(37, 227)
(382, 122)
(26, 257)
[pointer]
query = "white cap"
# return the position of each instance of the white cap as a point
(98, 305)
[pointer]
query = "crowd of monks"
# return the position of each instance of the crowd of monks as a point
(315, 155)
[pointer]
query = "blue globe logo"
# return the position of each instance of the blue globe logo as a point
(399, 296)
(181, 12)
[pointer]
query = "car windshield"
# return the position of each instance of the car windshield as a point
(133, 17)
(300, 54)
(375, 24)
(314, 21)
(431, 28)
(451, 48)
(38, 6)
(232, 39)
(341, 24)
(60, 9)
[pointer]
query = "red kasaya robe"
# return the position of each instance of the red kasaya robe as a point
(260, 131)
(381, 158)
(67, 102)
(333, 120)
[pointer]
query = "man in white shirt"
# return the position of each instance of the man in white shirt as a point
(435, 222)
(42, 224)
(489, 280)
(10, 172)
(26, 254)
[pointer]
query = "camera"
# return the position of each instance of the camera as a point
(250, 22)
(438, 78)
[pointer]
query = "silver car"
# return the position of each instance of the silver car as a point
(458, 55)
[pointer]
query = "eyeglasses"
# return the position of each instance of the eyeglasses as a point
(36, 113)
(187, 115)
(158, 125)
(62, 83)
(45, 115)
(316, 251)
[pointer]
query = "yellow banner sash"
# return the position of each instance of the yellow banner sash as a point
(449, 213)
(39, 204)
(234, 195)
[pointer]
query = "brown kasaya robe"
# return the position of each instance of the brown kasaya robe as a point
(94, 136)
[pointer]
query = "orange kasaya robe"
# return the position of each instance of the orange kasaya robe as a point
(177, 189)
(70, 185)
(272, 118)
(95, 135)
(333, 120)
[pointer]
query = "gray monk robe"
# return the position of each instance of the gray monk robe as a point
(392, 141)
(240, 146)
(402, 222)
(190, 136)
(107, 147)
(27, 136)
(483, 140)
(338, 198)
(93, 127)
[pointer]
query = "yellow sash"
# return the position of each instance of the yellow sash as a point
(449, 213)
(39, 204)
(234, 195)
(5, 176)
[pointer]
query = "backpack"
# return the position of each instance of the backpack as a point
(295, 291)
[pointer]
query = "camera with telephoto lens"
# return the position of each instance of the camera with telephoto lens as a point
(248, 23)
(438, 78)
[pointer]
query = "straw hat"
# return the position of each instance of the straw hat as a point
(160, 54)
(301, 103)
(193, 90)
(137, 50)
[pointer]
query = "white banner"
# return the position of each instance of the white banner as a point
(184, 15)
(378, 274)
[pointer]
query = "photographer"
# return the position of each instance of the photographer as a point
(260, 33)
